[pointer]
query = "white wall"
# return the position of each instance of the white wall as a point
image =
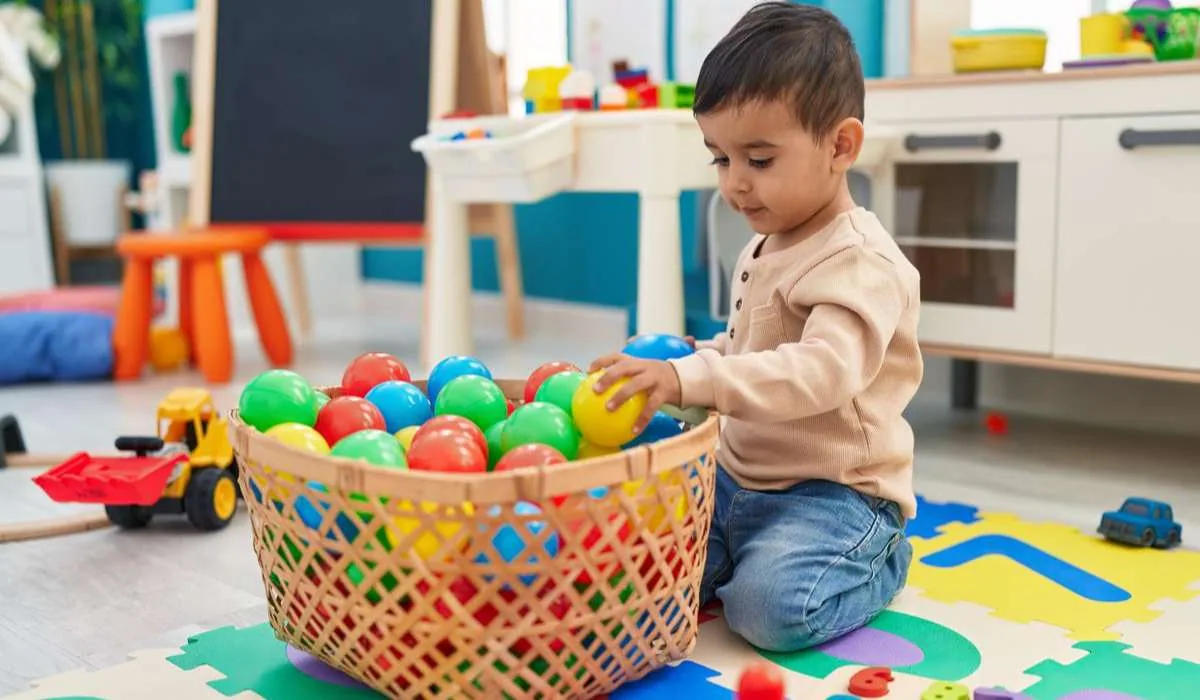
(1074, 397)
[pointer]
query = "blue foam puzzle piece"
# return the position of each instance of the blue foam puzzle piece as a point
(688, 678)
(1043, 563)
(932, 516)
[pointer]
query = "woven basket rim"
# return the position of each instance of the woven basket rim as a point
(526, 484)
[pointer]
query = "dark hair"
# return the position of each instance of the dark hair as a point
(780, 50)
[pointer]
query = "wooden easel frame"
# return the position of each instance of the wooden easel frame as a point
(462, 75)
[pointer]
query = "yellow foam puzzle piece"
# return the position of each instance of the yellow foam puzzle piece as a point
(1014, 592)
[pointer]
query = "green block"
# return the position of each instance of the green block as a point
(252, 659)
(948, 655)
(676, 95)
(1108, 667)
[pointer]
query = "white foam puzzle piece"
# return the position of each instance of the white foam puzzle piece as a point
(1163, 638)
(146, 676)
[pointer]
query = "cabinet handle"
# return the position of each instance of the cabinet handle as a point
(1130, 139)
(989, 141)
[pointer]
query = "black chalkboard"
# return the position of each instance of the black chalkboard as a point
(315, 105)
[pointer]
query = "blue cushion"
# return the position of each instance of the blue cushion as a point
(55, 346)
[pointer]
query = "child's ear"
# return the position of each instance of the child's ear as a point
(847, 142)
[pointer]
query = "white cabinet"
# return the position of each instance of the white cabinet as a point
(1128, 263)
(24, 245)
(972, 204)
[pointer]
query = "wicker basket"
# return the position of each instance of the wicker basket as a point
(401, 586)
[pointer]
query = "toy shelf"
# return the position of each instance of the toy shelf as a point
(170, 43)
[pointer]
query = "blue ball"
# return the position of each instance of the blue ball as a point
(451, 368)
(658, 346)
(660, 427)
(509, 541)
(401, 404)
(312, 515)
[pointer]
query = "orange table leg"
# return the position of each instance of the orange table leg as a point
(186, 325)
(131, 331)
(273, 331)
(213, 345)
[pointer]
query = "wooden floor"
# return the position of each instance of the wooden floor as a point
(87, 600)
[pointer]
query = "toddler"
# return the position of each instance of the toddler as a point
(820, 356)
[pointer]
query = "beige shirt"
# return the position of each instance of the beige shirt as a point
(817, 363)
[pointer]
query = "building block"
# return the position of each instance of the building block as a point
(1108, 667)
(946, 691)
(998, 694)
(1025, 583)
(871, 682)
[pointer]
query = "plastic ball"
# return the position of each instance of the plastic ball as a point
(346, 415)
(524, 542)
(299, 436)
(447, 522)
(761, 681)
(473, 397)
(322, 399)
(587, 450)
(452, 424)
(658, 346)
(405, 436)
(660, 427)
(277, 396)
(537, 376)
(168, 348)
(560, 388)
(511, 406)
(531, 454)
(543, 423)
(374, 446)
(446, 451)
(493, 435)
(600, 425)
(368, 370)
(451, 368)
(400, 403)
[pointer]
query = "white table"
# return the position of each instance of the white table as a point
(657, 153)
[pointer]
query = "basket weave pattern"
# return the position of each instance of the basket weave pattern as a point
(401, 584)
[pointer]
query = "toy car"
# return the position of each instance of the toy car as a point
(1142, 521)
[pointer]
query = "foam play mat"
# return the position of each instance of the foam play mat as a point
(997, 608)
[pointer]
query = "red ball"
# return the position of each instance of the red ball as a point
(996, 423)
(539, 375)
(446, 451)
(345, 415)
(370, 369)
(511, 406)
(761, 681)
(454, 424)
(531, 454)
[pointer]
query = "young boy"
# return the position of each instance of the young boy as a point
(820, 355)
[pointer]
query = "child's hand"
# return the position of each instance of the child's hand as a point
(655, 377)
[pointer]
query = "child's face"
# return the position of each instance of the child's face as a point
(772, 170)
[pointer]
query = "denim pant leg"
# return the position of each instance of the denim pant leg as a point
(811, 563)
(719, 564)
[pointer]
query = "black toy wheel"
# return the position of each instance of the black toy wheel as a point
(210, 499)
(1172, 539)
(1147, 537)
(129, 517)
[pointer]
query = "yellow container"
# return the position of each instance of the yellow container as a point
(1103, 34)
(998, 49)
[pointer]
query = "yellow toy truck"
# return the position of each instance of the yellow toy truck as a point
(188, 468)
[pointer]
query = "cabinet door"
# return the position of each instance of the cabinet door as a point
(973, 206)
(24, 245)
(1128, 270)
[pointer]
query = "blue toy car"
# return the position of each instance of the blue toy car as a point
(1142, 521)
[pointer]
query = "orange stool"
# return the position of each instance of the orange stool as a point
(202, 314)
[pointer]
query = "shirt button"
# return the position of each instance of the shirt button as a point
(738, 305)
(745, 276)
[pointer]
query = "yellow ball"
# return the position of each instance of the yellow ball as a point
(168, 348)
(427, 543)
(405, 436)
(653, 513)
(300, 436)
(587, 450)
(599, 425)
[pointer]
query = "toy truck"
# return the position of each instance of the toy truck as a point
(187, 468)
(1142, 521)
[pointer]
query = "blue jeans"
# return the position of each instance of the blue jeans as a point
(799, 567)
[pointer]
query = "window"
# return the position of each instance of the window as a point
(530, 33)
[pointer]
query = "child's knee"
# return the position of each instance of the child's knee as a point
(779, 623)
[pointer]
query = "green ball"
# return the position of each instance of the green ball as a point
(560, 388)
(278, 396)
(322, 399)
(374, 446)
(476, 398)
(544, 423)
(493, 435)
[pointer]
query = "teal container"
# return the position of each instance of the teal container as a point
(158, 8)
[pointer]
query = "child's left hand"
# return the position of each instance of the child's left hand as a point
(654, 377)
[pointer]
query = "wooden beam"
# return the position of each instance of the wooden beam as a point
(1061, 363)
